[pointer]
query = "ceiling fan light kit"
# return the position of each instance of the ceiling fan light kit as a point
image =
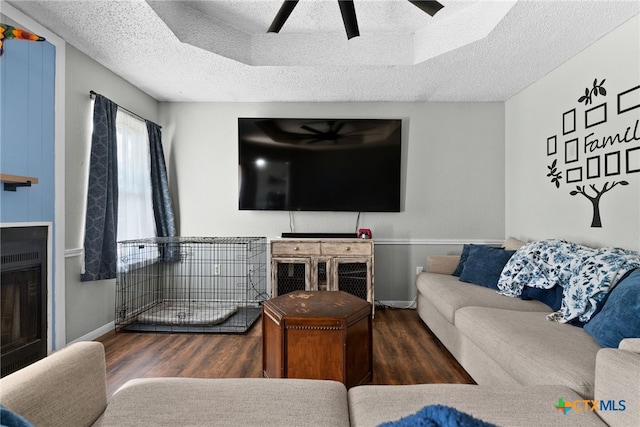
(348, 11)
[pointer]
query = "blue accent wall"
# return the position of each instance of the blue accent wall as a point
(27, 130)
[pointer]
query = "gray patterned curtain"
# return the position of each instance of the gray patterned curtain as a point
(101, 226)
(162, 207)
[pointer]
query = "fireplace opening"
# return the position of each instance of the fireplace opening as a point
(23, 297)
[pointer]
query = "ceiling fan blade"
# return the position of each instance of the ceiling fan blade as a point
(349, 18)
(282, 15)
(310, 129)
(316, 140)
(430, 7)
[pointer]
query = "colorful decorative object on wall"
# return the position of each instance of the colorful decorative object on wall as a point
(585, 149)
(10, 32)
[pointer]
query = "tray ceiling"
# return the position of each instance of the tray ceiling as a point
(219, 51)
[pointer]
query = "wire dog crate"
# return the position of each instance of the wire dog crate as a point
(190, 284)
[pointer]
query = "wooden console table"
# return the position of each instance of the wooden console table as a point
(323, 265)
(318, 335)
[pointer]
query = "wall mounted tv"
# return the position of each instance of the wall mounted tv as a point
(319, 164)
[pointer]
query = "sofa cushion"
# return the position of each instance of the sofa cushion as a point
(463, 258)
(448, 294)
(227, 402)
(618, 379)
(484, 265)
(552, 297)
(443, 264)
(512, 244)
(532, 349)
(371, 405)
(620, 315)
(67, 388)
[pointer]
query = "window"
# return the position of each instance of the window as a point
(119, 191)
(135, 209)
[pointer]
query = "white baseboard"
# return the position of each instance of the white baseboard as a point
(399, 304)
(96, 333)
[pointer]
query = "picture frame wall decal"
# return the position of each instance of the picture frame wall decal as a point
(593, 167)
(595, 116)
(571, 151)
(629, 100)
(552, 145)
(608, 153)
(632, 158)
(612, 164)
(569, 122)
(574, 175)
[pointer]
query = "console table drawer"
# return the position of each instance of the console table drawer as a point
(295, 248)
(347, 248)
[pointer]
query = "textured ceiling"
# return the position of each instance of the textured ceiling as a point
(393, 32)
(218, 50)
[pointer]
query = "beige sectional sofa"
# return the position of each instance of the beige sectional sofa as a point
(504, 342)
(500, 340)
(68, 388)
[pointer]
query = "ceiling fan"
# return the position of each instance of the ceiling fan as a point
(322, 132)
(348, 12)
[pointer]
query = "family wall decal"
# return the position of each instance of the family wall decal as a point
(595, 159)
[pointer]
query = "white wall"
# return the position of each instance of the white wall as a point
(453, 184)
(535, 208)
(89, 305)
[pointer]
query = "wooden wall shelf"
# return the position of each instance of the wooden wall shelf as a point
(12, 182)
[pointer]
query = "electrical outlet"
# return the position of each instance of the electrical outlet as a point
(419, 270)
(250, 269)
(216, 270)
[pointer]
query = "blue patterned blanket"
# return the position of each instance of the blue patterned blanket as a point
(438, 416)
(585, 274)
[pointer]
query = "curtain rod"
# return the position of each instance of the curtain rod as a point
(92, 95)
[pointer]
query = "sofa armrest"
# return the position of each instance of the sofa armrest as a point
(443, 264)
(630, 344)
(67, 388)
(617, 385)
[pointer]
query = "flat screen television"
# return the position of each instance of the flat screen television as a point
(319, 164)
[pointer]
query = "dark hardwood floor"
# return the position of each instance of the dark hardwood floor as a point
(404, 352)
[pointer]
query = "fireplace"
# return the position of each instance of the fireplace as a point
(23, 302)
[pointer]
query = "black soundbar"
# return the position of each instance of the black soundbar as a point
(321, 235)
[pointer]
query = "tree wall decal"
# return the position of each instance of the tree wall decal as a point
(554, 173)
(596, 222)
(594, 91)
(594, 153)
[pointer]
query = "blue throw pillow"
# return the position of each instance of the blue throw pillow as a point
(619, 317)
(11, 419)
(463, 258)
(551, 297)
(438, 416)
(484, 265)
